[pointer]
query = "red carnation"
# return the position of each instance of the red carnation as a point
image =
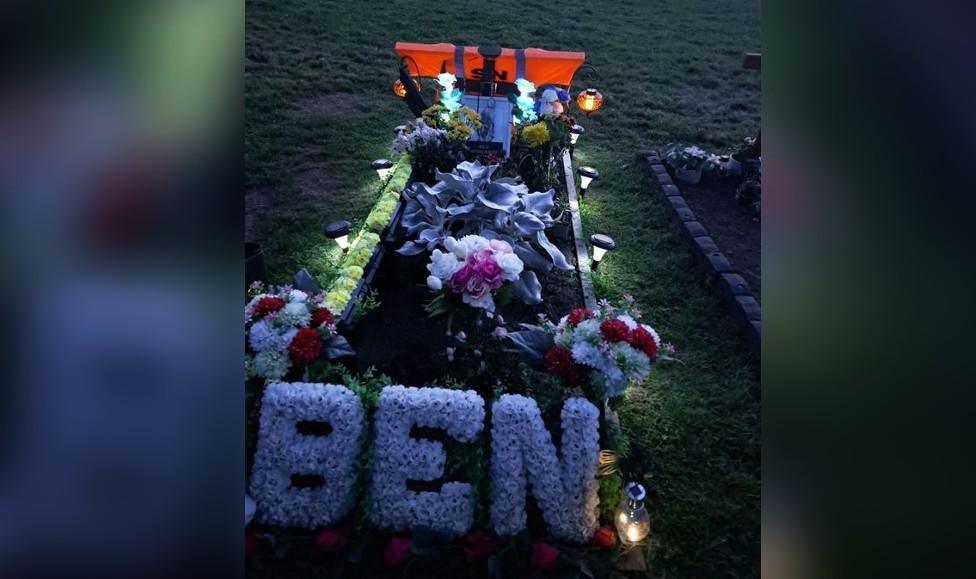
(397, 551)
(604, 538)
(559, 361)
(614, 330)
(644, 341)
(321, 316)
(331, 538)
(305, 346)
(478, 545)
(267, 305)
(578, 315)
(544, 556)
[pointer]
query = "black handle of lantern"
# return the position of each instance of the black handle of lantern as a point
(488, 56)
(414, 99)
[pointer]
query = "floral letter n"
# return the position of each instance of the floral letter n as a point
(564, 485)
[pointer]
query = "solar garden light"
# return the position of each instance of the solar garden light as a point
(339, 231)
(587, 175)
(601, 245)
(589, 100)
(574, 133)
(632, 520)
(382, 167)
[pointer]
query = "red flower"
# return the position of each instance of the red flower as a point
(643, 340)
(397, 551)
(478, 545)
(321, 316)
(305, 346)
(604, 538)
(559, 361)
(544, 556)
(332, 538)
(614, 330)
(267, 305)
(578, 315)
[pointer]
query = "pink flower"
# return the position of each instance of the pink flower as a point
(476, 287)
(332, 538)
(491, 272)
(500, 332)
(397, 551)
(544, 556)
(480, 256)
(459, 279)
(628, 298)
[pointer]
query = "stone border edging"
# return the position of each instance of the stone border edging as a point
(729, 284)
(582, 256)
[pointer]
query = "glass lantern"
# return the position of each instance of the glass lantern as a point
(632, 520)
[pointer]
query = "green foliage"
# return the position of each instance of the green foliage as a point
(611, 493)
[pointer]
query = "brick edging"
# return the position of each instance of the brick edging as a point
(728, 283)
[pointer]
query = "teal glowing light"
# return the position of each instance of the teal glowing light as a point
(450, 96)
(524, 101)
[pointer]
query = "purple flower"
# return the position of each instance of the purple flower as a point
(500, 332)
(636, 314)
(499, 320)
(460, 336)
(628, 298)
(669, 348)
(459, 280)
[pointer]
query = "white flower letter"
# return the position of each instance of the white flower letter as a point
(397, 458)
(565, 486)
(282, 452)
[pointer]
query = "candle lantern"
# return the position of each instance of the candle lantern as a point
(339, 231)
(400, 90)
(632, 521)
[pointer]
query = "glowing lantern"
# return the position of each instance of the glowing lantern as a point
(589, 100)
(400, 90)
(339, 231)
(382, 167)
(601, 245)
(632, 521)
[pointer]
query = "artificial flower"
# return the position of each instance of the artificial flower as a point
(397, 551)
(614, 330)
(478, 545)
(320, 316)
(332, 538)
(305, 346)
(267, 305)
(544, 556)
(604, 538)
(578, 315)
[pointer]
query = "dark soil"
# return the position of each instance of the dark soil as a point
(735, 228)
(400, 341)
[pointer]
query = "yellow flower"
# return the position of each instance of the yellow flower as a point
(535, 135)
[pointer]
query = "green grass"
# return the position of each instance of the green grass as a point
(319, 109)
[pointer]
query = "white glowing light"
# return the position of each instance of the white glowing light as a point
(585, 182)
(573, 137)
(343, 241)
(383, 172)
(598, 253)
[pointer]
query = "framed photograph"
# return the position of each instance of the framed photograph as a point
(495, 134)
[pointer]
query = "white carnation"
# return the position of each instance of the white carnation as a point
(271, 364)
(295, 314)
(297, 296)
(511, 265)
(434, 282)
(443, 264)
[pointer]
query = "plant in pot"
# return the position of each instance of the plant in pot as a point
(687, 162)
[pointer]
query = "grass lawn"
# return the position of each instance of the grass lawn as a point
(319, 109)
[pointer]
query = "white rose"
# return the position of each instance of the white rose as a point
(511, 265)
(434, 282)
(443, 265)
(297, 296)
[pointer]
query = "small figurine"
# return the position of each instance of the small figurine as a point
(550, 103)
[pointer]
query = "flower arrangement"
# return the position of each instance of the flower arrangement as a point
(285, 328)
(467, 201)
(473, 267)
(282, 451)
(398, 457)
(607, 347)
(564, 483)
